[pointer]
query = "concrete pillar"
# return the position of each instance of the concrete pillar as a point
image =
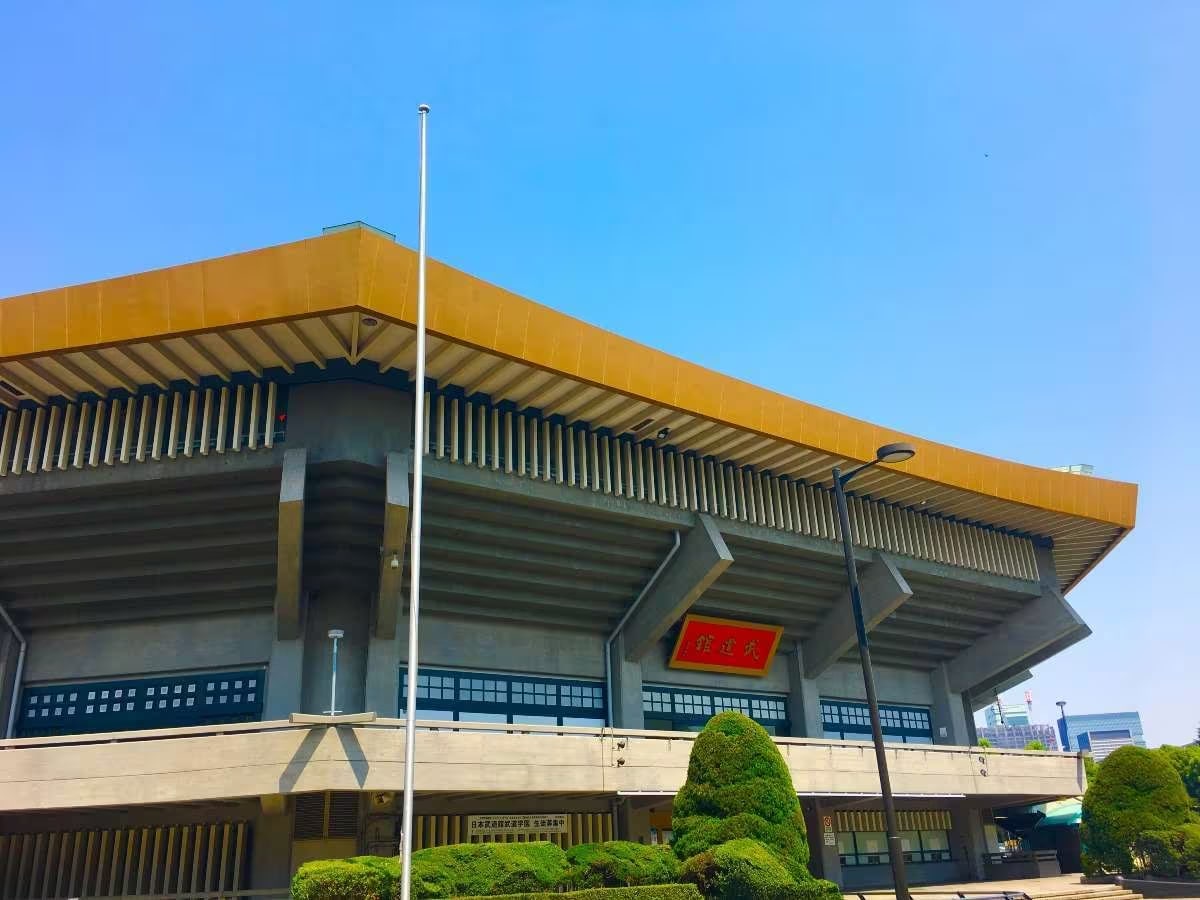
(969, 839)
(384, 658)
(285, 679)
(351, 613)
(626, 689)
(948, 714)
(825, 856)
(271, 849)
(804, 697)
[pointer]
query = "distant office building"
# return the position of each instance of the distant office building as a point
(1015, 737)
(1102, 733)
(1014, 714)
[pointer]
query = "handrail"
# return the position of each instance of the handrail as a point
(355, 721)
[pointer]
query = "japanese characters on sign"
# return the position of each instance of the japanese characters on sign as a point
(724, 645)
(552, 823)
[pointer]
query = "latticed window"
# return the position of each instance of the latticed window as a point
(851, 721)
(687, 709)
(130, 704)
(453, 696)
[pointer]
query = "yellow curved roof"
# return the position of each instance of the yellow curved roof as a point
(357, 269)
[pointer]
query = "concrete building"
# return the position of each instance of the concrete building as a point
(1102, 733)
(1017, 737)
(1014, 714)
(205, 468)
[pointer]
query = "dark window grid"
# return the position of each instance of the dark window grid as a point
(132, 704)
(516, 695)
(695, 707)
(877, 859)
(896, 721)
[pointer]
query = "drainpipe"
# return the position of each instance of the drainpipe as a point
(16, 694)
(625, 618)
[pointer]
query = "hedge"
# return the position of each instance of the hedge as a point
(620, 864)
(459, 870)
(644, 892)
(358, 878)
(1172, 852)
(738, 786)
(1135, 791)
(746, 869)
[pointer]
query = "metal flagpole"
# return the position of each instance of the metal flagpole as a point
(414, 590)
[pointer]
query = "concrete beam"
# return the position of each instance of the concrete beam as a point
(1042, 628)
(289, 561)
(804, 697)
(702, 557)
(985, 695)
(883, 591)
(395, 542)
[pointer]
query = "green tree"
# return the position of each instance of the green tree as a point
(1035, 745)
(738, 786)
(1135, 790)
(1186, 761)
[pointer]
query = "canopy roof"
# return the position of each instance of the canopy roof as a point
(351, 295)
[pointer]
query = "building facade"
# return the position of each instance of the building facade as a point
(1102, 733)
(205, 469)
(1013, 714)
(1017, 737)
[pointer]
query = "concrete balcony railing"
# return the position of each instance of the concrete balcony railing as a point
(364, 753)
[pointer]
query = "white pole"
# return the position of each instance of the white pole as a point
(414, 589)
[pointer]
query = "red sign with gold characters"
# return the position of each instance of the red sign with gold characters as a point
(723, 645)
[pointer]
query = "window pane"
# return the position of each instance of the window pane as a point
(583, 722)
(935, 840)
(520, 719)
(833, 735)
(482, 717)
(845, 841)
(437, 715)
(910, 842)
(872, 843)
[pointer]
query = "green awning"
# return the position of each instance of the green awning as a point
(1062, 813)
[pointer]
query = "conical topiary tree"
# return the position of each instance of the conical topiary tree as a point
(738, 786)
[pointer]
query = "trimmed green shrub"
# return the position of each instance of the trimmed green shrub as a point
(459, 870)
(1190, 857)
(1135, 791)
(1035, 745)
(359, 878)
(1186, 761)
(620, 864)
(1161, 852)
(738, 786)
(643, 892)
(745, 869)
(985, 742)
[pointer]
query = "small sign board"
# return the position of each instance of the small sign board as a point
(725, 645)
(533, 823)
(827, 830)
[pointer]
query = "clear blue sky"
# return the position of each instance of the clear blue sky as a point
(999, 203)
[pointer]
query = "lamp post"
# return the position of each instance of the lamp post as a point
(889, 453)
(335, 635)
(1062, 726)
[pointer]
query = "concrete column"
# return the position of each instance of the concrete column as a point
(948, 712)
(285, 679)
(969, 839)
(804, 697)
(351, 613)
(626, 689)
(829, 860)
(384, 658)
(271, 849)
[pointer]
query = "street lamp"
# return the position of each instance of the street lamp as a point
(1062, 718)
(888, 453)
(335, 635)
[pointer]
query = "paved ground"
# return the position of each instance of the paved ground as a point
(1033, 886)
